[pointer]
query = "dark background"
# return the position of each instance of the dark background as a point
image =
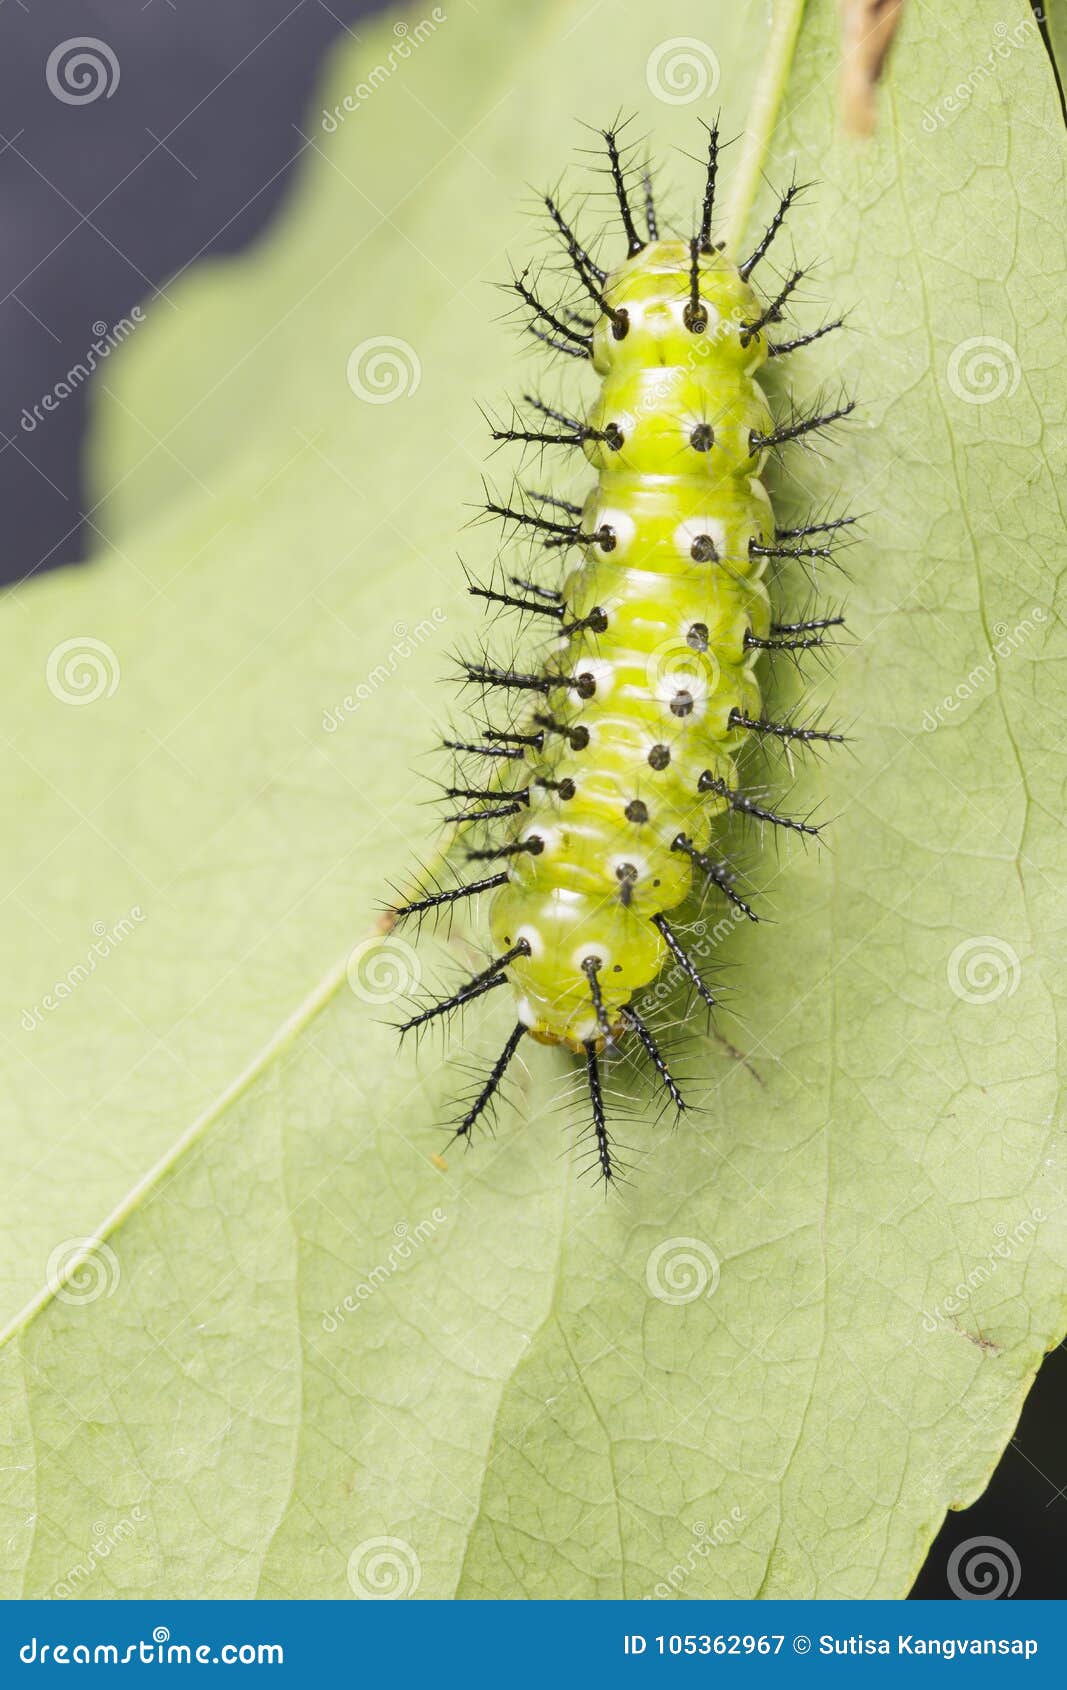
(194, 158)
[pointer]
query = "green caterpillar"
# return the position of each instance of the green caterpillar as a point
(618, 772)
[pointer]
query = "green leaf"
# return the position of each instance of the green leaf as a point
(292, 1355)
(1055, 13)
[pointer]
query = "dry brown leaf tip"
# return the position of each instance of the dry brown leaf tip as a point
(867, 31)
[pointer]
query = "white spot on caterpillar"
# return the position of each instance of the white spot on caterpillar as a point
(623, 526)
(595, 953)
(603, 674)
(526, 1012)
(567, 895)
(631, 860)
(694, 528)
(534, 938)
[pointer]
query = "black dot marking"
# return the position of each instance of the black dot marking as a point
(566, 789)
(597, 620)
(614, 437)
(702, 438)
(585, 685)
(617, 968)
(682, 704)
(703, 549)
(579, 739)
(620, 324)
(697, 637)
(626, 871)
(636, 811)
(535, 844)
(659, 757)
(607, 539)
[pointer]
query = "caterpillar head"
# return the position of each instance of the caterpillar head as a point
(653, 318)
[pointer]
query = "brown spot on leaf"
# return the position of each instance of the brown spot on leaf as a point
(867, 31)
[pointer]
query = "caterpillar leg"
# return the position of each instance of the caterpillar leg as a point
(486, 981)
(656, 1057)
(600, 1128)
(492, 1084)
(684, 961)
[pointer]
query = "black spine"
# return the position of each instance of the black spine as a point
(684, 962)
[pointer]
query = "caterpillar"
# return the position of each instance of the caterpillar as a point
(616, 762)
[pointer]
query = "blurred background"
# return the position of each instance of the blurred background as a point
(193, 160)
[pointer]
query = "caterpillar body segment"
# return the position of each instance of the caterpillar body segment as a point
(677, 507)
